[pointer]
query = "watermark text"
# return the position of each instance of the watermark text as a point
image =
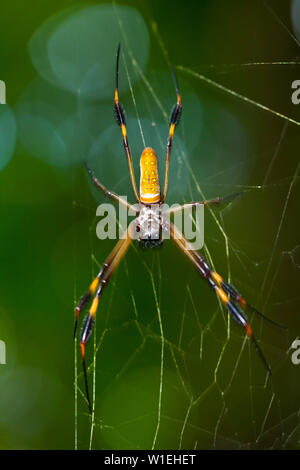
(295, 357)
(2, 352)
(296, 94)
(152, 222)
(2, 92)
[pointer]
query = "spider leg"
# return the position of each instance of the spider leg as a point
(174, 120)
(220, 288)
(94, 285)
(98, 286)
(121, 119)
(105, 191)
(235, 295)
(217, 201)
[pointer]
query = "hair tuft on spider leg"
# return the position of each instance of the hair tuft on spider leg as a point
(120, 115)
(87, 328)
(80, 306)
(175, 114)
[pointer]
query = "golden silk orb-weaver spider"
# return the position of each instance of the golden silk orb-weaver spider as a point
(150, 225)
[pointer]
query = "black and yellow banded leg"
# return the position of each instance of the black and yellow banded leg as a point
(241, 319)
(121, 119)
(219, 281)
(110, 194)
(174, 120)
(94, 285)
(216, 283)
(235, 295)
(98, 286)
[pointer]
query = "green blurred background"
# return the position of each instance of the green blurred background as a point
(191, 380)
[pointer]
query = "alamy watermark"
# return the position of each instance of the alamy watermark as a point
(295, 357)
(152, 222)
(2, 352)
(296, 94)
(2, 92)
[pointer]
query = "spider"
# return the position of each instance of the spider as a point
(150, 225)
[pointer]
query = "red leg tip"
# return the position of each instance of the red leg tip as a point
(242, 302)
(77, 311)
(249, 330)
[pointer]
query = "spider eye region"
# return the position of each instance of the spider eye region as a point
(149, 181)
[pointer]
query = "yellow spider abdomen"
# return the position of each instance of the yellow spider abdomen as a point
(149, 187)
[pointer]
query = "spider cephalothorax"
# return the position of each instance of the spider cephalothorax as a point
(149, 227)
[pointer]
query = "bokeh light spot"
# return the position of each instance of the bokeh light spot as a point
(76, 49)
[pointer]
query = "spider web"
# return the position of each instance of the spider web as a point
(167, 366)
